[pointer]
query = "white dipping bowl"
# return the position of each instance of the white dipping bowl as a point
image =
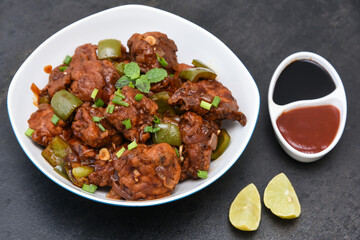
(336, 98)
(193, 42)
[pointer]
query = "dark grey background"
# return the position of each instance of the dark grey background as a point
(261, 34)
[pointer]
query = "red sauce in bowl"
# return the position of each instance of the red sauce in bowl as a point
(309, 129)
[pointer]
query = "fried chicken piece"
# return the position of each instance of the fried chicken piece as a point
(88, 131)
(199, 137)
(82, 150)
(89, 75)
(141, 114)
(147, 172)
(103, 175)
(86, 52)
(143, 49)
(45, 130)
(190, 95)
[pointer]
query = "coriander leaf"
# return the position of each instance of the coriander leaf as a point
(151, 129)
(123, 81)
(143, 84)
(132, 70)
(156, 75)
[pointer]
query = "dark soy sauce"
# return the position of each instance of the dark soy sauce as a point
(302, 80)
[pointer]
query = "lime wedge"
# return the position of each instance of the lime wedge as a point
(281, 199)
(245, 210)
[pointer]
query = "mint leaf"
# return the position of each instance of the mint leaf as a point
(143, 84)
(132, 70)
(123, 81)
(156, 75)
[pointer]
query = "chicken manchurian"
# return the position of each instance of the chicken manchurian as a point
(136, 121)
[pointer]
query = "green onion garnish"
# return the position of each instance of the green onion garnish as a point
(162, 61)
(151, 129)
(120, 152)
(117, 100)
(67, 60)
(89, 188)
(29, 132)
(177, 152)
(205, 105)
(97, 119)
(63, 68)
(138, 97)
(132, 145)
(110, 109)
(156, 119)
(55, 119)
(127, 123)
(118, 93)
(99, 103)
(94, 93)
(202, 174)
(215, 102)
(101, 127)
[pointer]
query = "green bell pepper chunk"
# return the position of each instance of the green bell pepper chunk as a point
(193, 74)
(168, 133)
(60, 169)
(56, 151)
(161, 100)
(120, 68)
(109, 49)
(82, 171)
(64, 103)
(222, 144)
(198, 63)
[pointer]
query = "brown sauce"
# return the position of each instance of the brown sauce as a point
(48, 69)
(309, 129)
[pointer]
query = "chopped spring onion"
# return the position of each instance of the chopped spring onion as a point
(67, 60)
(131, 85)
(151, 129)
(205, 105)
(110, 109)
(132, 145)
(94, 93)
(162, 61)
(118, 93)
(215, 102)
(97, 119)
(202, 174)
(156, 119)
(177, 152)
(138, 97)
(55, 119)
(63, 68)
(101, 127)
(89, 188)
(127, 123)
(120, 152)
(29, 132)
(117, 100)
(98, 102)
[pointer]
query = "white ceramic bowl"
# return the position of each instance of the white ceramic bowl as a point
(336, 98)
(120, 23)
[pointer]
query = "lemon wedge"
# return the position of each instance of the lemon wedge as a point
(245, 210)
(281, 199)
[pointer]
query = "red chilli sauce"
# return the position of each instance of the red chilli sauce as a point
(309, 129)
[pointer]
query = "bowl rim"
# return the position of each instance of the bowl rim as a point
(129, 203)
(275, 109)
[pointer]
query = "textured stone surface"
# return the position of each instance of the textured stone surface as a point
(261, 34)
